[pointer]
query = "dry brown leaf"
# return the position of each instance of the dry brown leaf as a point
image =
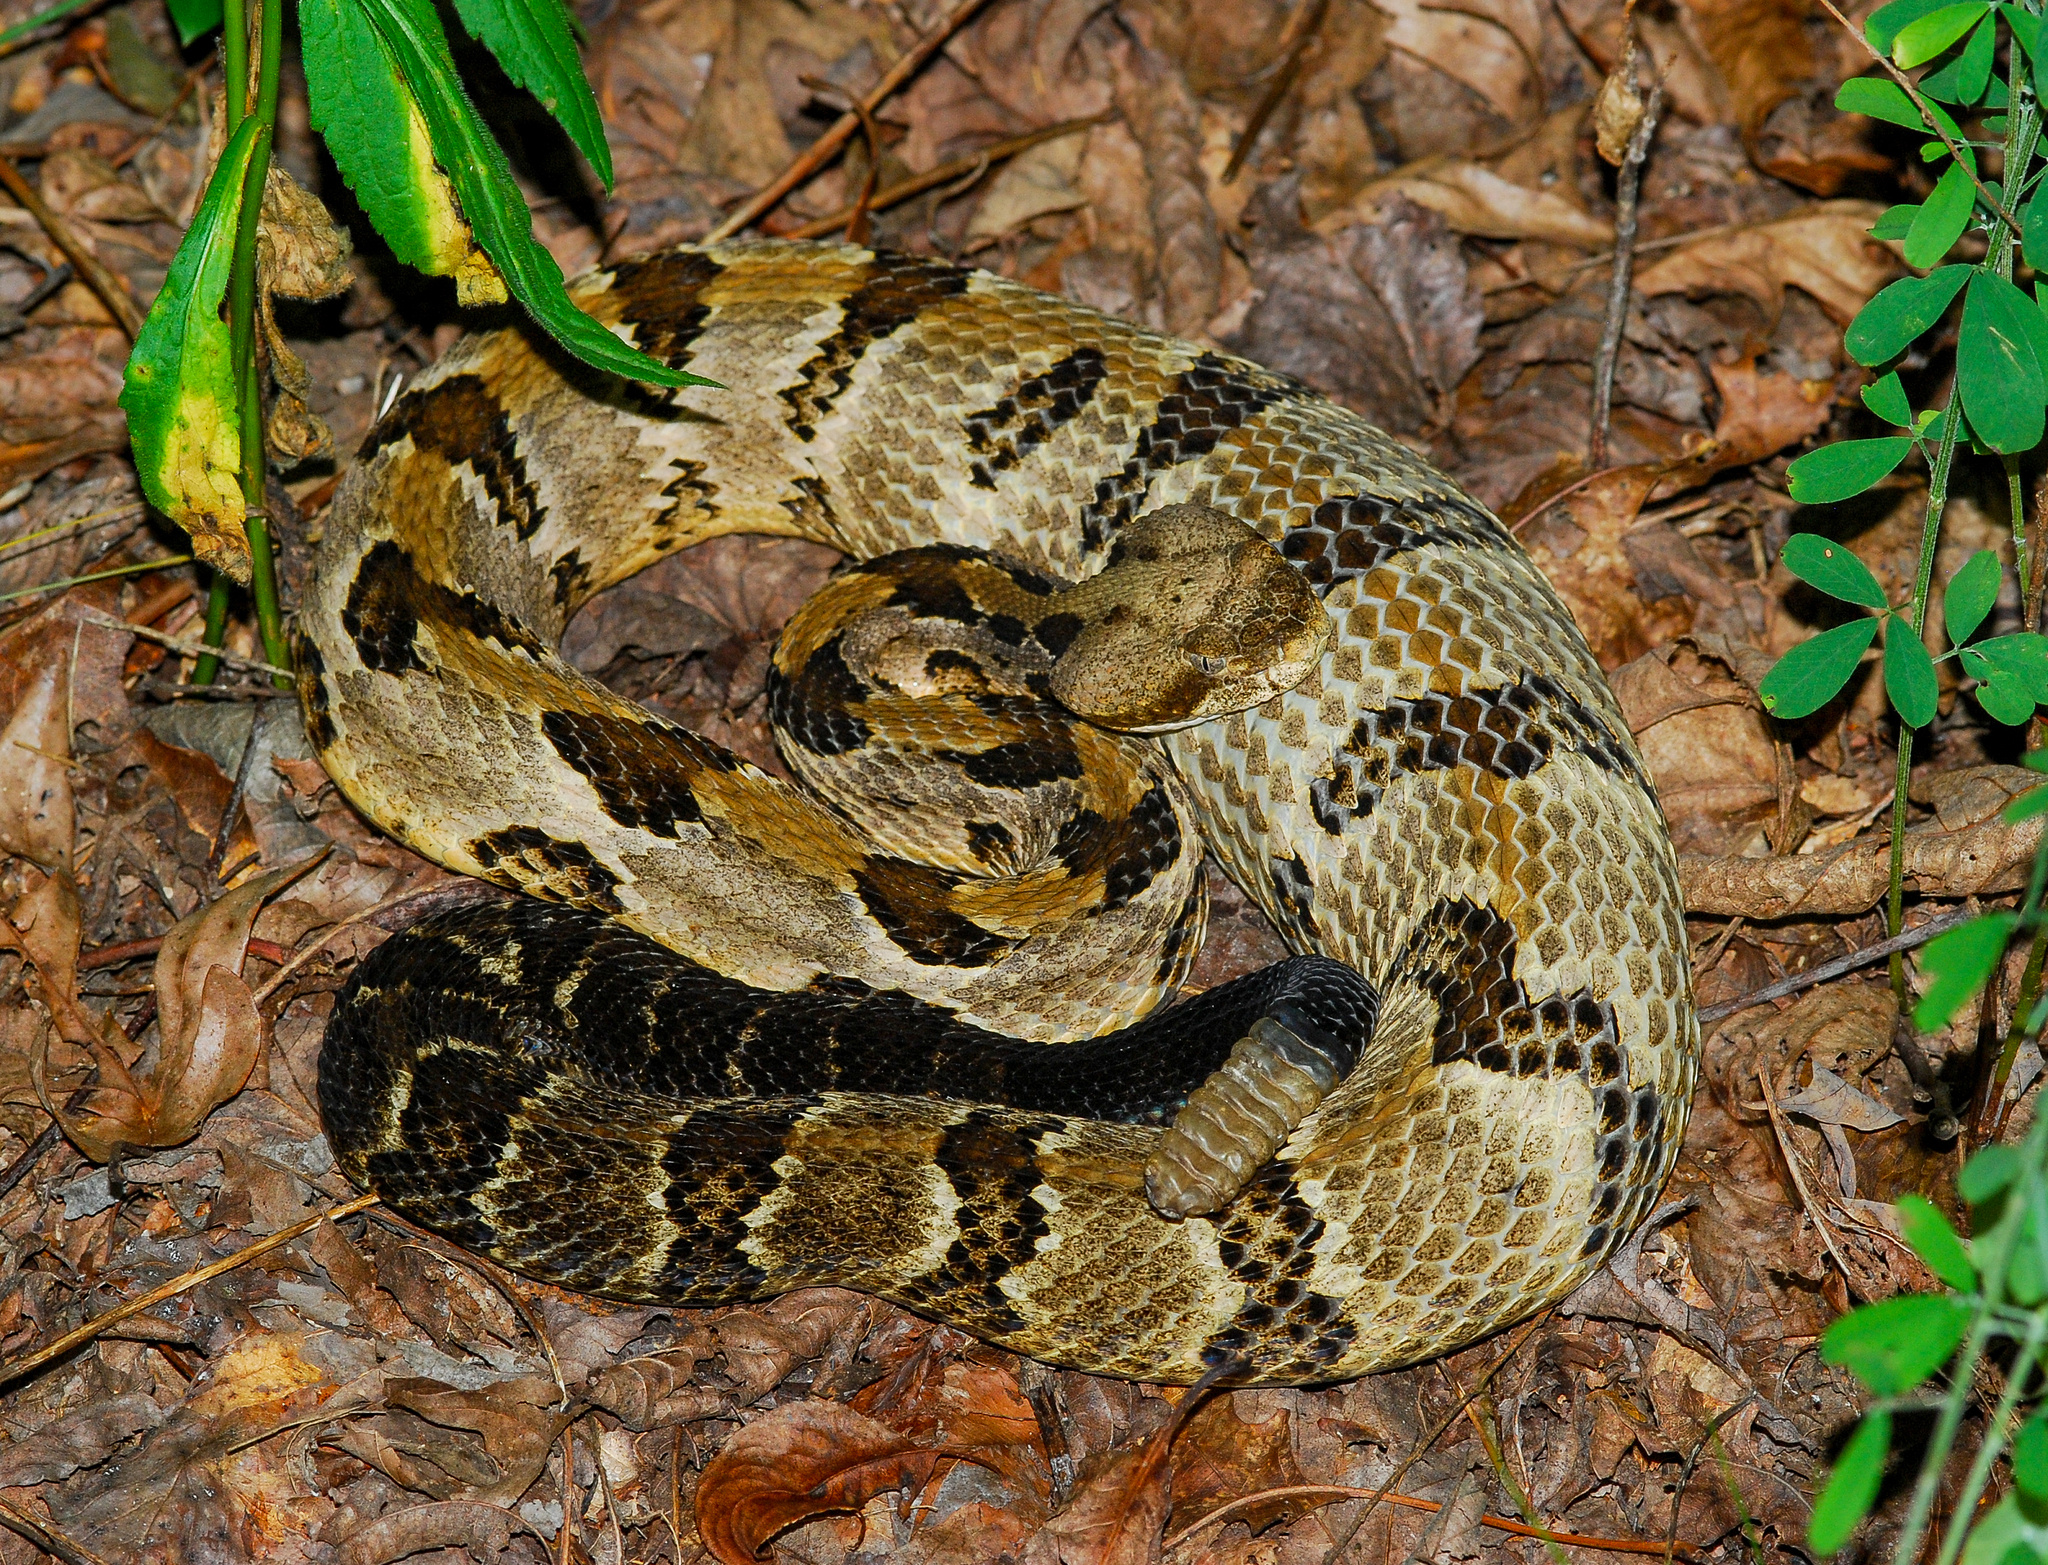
(1221, 1457)
(1825, 250)
(1988, 858)
(1577, 543)
(445, 1524)
(1037, 182)
(1475, 200)
(1493, 51)
(1117, 1510)
(804, 1459)
(1707, 748)
(36, 814)
(655, 1391)
(1187, 243)
(1619, 109)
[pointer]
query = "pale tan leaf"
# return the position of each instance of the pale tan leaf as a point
(36, 814)
(1494, 54)
(1475, 200)
(1825, 250)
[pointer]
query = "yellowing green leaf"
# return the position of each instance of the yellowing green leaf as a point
(179, 390)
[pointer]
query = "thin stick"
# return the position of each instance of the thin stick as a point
(1926, 113)
(183, 645)
(918, 184)
(73, 1339)
(45, 1536)
(1918, 935)
(1798, 1176)
(820, 152)
(135, 569)
(1331, 1492)
(22, 1166)
(113, 292)
(1643, 247)
(858, 228)
(1627, 191)
(1276, 90)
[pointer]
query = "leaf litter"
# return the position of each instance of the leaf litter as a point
(1421, 227)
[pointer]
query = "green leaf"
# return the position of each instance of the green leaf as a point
(1884, 99)
(1894, 1345)
(2029, 804)
(1848, 467)
(2034, 230)
(1923, 38)
(1886, 326)
(194, 18)
(1896, 223)
(1943, 217)
(533, 40)
(1883, 25)
(1909, 674)
(1823, 563)
(2030, 1457)
(1852, 1487)
(1957, 965)
(1988, 1172)
(1997, 373)
(1806, 679)
(2025, 1282)
(1970, 594)
(2012, 1532)
(180, 391)
(1887, 399)
(436, 119)
(2026, 27)
(2003, 700)
(2022, 658)
(1964, 78)
(1928, 1232)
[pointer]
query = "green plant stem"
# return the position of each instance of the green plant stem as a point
(1995, 1435)
(242, 301)
(1993, 1267)
(1930, 533)
(42, 19)
(206, 669)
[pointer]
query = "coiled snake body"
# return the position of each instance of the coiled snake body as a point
(822, 1088)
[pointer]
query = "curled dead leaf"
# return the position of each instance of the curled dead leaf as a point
(1474, 200)
(804, 1459)
(36, 811)
(1117, 1510)
(1824, 250)
(445, 1524)
(1619, 109)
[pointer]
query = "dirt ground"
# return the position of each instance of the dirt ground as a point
(1422, 229)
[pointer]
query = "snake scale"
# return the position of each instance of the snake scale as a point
(732, 1045)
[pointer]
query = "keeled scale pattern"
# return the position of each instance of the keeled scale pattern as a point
(1435, 1196)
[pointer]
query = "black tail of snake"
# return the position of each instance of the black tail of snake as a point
(770, 1036)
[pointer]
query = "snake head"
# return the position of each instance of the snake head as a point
(1196, 616)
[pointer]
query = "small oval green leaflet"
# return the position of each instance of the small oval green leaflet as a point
(1807, 678)
(1848, 467)
(1887, 399)
(1830, 566)
(1923, 38)
(1969, 596)
(2012, 1532)
(1852, 1487)
(179, 387)
(1936, 1243)
(1963, 79)
(1957, 965)
(1894, 1345)
(1997, 370)
(1989, 1171)
(1884, 24)
(1909, 677)
(2030, 1457)
(1884, 99)
(1886, 326)
(1942, 217)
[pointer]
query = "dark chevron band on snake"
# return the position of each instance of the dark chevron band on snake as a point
(762, 1047)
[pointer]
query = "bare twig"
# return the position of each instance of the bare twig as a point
(821, 151)
(1329, 1493)
(112, 291)
(1277, 89)
(1918, 935)
(1799, 1177)
(973, 164)
(1693, 1461)
(1628, 188)
(1962, 157)
(858, 229)
(21, 1167)
(45, 1536)
(75, 1339)
(183, 645)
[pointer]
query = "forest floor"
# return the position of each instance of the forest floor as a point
(1421, 229)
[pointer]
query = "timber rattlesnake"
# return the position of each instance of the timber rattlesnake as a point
(1448, 805)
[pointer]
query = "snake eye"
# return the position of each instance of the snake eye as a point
(1210, 666)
